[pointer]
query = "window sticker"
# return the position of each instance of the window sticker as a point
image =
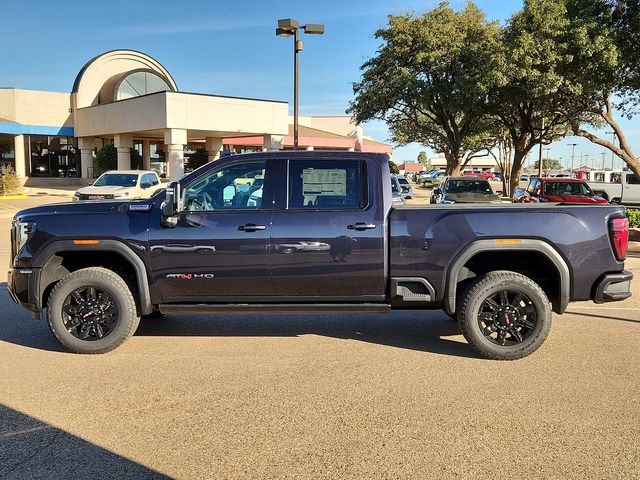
(324, 182)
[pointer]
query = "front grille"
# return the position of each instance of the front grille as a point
(96, 197)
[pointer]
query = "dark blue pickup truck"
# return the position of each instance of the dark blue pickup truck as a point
(311, 232)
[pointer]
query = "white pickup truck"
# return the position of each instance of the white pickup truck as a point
(623, 188)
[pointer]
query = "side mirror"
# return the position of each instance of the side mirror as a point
(145, 185)
(171, 206)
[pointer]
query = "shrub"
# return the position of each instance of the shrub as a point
(634, 217)
(9, 184)
(198, 158)
(106, 159)
(393, 168)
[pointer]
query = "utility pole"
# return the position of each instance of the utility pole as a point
(573, 152)
(603, 155)
(613, 141)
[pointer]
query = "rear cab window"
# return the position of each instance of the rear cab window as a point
(327, 184)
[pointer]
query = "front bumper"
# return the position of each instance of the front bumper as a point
(613, 287)
(23, 285)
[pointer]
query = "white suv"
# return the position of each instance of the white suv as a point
(120, 184)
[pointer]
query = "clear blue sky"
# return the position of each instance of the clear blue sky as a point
(226, 48)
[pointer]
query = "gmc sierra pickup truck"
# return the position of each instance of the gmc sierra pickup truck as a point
(311, 232)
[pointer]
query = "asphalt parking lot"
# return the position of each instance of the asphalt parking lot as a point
(320, 396)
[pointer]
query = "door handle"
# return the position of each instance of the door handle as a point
(361, 226)
(251, 227)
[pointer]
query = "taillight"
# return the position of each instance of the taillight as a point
(619, 232)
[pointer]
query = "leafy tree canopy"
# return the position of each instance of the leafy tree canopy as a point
(430, 79)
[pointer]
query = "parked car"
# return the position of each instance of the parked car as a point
(524, 178)
(500, 270)
(623, 188)
(477, 173)
(120, 184)
(405, 186)
(565, 190)
(464, 190)
(396, 192)
(435, 176)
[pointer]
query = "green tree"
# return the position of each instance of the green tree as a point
(532, 49)
(106, 158)
(430, 79)
(422, 159)
(393, 168)
(602, 76)
(548, 164)
(199, 157)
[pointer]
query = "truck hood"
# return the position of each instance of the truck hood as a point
(90, 207)
(106, 190)
(470, 197)
(576, 199)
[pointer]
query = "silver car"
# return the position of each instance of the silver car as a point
(396, 192)
(405, 186)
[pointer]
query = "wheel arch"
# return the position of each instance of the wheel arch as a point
(479, 247)
(50, 259)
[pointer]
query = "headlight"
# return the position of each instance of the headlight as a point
(120, 194)
(21, 231)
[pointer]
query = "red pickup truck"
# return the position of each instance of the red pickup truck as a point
(565, 190)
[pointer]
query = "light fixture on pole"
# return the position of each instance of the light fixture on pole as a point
(288, 27)
(573, 151)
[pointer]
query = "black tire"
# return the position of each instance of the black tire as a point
(95, 322)
(521, 321)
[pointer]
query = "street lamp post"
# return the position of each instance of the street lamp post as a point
(603, 155)
(613, 142)
(288, 27)
(573, 151)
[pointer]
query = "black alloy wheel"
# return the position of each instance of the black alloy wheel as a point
(504, 315)
(89, 313)
(507, 317)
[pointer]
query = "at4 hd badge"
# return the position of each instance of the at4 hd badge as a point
(190, 276)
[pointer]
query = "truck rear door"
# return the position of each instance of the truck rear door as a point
(327, 233)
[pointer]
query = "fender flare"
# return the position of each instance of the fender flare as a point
(524, 245)
(146, 307)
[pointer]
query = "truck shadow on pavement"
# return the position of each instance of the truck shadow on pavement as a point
(419, 330)
(31, 449)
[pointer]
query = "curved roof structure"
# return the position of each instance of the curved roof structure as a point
(102, 71)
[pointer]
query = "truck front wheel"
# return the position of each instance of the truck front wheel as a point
(505, 315)
(92, 310)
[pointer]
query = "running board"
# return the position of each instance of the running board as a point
(275, 308)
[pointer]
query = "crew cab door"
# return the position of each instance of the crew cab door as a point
(327, 235)
(220, 246)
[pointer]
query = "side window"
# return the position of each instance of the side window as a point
(331, 184)
(233, 187)
(532, 186)
(153, 178)
(631, 179)
(146, 178)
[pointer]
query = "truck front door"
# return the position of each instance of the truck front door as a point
(327, 236)
(220, 247)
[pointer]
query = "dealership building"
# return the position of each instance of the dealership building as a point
(128, 99)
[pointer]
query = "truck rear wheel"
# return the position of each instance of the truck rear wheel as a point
(505, 315)
(92, 310)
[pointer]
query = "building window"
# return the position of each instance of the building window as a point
(140, 83)
(53, 156)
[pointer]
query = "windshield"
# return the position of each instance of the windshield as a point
(116, 180)
(403, 181)
(468, 186)
(566, 188)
